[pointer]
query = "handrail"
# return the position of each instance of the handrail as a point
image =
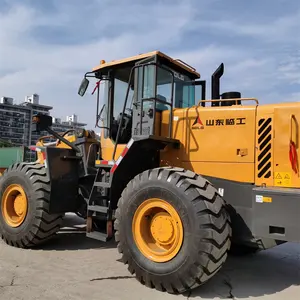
(233, 99)
(42, 138)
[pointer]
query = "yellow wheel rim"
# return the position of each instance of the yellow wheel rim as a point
(14, 205)
(157, 230)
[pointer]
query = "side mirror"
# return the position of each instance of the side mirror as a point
(83, 86)
(40, 122)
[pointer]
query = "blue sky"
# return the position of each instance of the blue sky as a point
(47, 46)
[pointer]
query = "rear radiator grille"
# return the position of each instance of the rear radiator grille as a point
(264, 148)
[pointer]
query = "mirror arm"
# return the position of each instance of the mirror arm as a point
(87, 74)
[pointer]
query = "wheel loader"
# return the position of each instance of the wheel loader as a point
(177, 179)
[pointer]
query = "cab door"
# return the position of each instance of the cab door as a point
(116, 97)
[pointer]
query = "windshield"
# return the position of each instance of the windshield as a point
(184, 89)
(120, 96)
(103, 103)
(114, 90)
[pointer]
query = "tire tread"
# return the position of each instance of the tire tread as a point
(207, 204)
(43, 225)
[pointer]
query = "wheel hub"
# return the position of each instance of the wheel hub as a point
(162, 228)
(14, 205)
(157, 230)
(20, 205)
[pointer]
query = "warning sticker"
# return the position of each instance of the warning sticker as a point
(259, 199)
(267, 199)
(263, 199)
(282, 179)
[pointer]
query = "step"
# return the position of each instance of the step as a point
(100, 197)
(98, 208)
(104, 163)
(96, 235)
(102, 184)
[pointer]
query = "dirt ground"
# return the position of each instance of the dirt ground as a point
(72, 266)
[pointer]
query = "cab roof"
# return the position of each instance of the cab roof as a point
(178, 65)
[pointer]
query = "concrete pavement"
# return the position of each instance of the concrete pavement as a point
(72, 266)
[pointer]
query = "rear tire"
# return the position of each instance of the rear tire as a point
(38, 225)
(206, 229)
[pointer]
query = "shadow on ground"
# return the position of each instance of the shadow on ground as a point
(72, 236)
(265, 273)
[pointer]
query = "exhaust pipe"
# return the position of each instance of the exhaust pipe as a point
(215, 84)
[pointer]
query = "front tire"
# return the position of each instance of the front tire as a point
(25, 191)
(206, 233)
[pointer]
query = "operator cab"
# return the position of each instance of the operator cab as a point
(133, 92)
